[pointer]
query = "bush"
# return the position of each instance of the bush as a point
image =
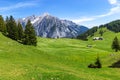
(115, 65)
(97, 64)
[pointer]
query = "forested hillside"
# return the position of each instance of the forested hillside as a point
(112, 26)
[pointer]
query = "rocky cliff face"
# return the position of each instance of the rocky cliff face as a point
(52, 27)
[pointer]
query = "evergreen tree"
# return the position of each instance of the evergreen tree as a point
(101, 32)
(12, 28)
(20, 31)
(2, 25)
(30, 35)
(7, 25)
(98, 63)
(115, 44)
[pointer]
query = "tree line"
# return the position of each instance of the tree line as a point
(113, 26)
(89, 32)
(15, 31)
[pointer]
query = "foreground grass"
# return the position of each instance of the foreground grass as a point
(57, 59)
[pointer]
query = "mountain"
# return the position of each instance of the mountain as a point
(53, 27)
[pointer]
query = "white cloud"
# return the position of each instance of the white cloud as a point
(18, 5)
(113, 1)
(115, 9)
(83, 20)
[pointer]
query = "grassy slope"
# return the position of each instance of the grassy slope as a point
(57, 59)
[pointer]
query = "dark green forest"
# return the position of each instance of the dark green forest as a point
(15, 31)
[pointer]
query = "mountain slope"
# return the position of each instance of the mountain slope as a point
(113, 26)
(52, 27)
(62, 59)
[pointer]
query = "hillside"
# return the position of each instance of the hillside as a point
(111, 26)
(58, 59)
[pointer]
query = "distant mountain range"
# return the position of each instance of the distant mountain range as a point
(53, 27)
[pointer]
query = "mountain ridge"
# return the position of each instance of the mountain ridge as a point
(53, 27)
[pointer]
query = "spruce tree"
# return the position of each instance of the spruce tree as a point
(12, 28)
(115, 44)
(101, 32)
(20, 31)
(30, 35)
(7, 24)
(2, 25)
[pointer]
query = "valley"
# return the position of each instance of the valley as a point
(60, 40)
(58, 59)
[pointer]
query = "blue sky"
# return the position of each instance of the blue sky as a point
(84, 12)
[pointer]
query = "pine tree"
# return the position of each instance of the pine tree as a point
(2, 25)
(101, 32)
(12, 28)
(30, 35)
(115, 44)
(98, 63)
(7, 25)
(20, 31)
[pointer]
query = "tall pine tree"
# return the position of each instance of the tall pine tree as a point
(12, 28)
(20, 31)
(115, 44)
(2, 25)
(7, 24)
(30, 35)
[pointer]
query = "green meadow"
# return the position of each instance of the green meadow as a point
(58, 59)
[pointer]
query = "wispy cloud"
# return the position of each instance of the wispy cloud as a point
(113, 2)
(115, 9)
(84, 19)
(17, 5)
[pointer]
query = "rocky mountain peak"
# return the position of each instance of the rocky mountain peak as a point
(53, 27)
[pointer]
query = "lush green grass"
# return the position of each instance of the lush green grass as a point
(57, 59)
